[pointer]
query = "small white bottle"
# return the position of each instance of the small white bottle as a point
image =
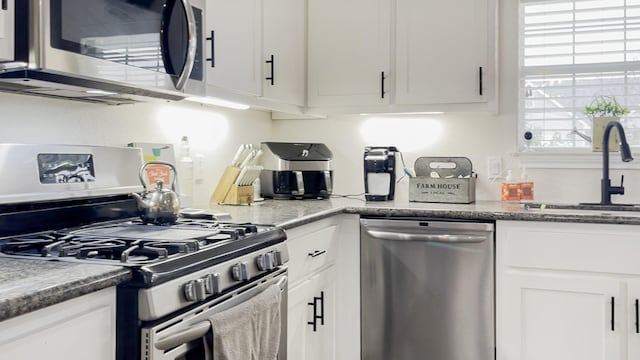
(185, 174)
(257, 190)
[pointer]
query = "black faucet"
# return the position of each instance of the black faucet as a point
(625, 153)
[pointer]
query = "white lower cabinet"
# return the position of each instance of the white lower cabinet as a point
(311, 321)
(567, 291)
(633, 319)
(554, 316)
(324, 291)
(80, 328)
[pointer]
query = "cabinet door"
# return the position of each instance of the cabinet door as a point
(80, 328)
(316, 296)
(236, 48)
(441, 47)
(6, 31)
(348, 52)
(633, 318)
(556, 316)
(284, 39)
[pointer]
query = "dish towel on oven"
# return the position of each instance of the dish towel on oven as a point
(250, 330)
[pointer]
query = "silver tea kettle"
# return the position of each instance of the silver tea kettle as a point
(161, 205)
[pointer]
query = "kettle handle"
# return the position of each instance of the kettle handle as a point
(158, 162)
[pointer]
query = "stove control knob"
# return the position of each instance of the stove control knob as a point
(212, 284)
(194, 290)
(260, 262)
(240, 271)
(277, 257)
(269, 259)
(265, 262)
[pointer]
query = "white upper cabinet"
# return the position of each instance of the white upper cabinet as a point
(348, 52)
(233, 47)
(284, 40)
(6, 30)
(445, 51)
(255, 52)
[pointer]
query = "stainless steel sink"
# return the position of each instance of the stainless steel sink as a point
(583, 206)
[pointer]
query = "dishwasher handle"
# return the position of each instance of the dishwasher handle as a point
(441, 238)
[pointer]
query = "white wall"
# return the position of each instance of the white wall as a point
(474, 135)
(213, 132)
(216, 133)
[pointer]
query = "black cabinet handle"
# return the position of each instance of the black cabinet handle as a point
(212, 38)
(613, 313)
(272, 77)
(317, 253)
(382, 78)
(5, 6)
(317, 316)
(322, 308)
(637, 318)
(480, 78)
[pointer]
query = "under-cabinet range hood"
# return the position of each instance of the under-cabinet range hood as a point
(68, 87)
(112, 52)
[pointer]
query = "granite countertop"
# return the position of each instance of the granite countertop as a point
(27, 285)
(292, 213)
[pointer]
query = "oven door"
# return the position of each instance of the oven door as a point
(147, 43)
(181, 336)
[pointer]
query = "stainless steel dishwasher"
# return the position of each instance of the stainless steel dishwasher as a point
(427, 289)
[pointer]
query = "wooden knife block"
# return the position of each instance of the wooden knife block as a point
(227, 192)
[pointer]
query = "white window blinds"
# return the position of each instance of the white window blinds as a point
(570, 52)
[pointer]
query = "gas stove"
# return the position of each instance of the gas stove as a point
(129, 243)
(182, 271)
(154, 253)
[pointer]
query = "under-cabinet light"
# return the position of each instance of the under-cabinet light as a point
(100, 92)
(218, 102)
(405, 113)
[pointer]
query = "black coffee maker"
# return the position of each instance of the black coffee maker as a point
(379, 172)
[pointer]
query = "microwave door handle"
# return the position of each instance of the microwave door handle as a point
(185, 72)
(191, 48)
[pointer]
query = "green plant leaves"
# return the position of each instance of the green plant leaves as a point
(605, 106)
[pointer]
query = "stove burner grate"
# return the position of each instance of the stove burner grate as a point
(129, 242)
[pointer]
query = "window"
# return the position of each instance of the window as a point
(572, 51)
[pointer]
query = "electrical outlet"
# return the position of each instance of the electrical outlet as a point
(494, 170)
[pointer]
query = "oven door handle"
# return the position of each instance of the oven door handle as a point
(196, 330)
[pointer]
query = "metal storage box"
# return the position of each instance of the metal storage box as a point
(443, 180)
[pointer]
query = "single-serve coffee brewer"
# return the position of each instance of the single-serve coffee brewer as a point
(379, 172)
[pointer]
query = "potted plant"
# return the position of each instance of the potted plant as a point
(602, 110)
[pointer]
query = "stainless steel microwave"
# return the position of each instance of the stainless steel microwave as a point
(96, 48)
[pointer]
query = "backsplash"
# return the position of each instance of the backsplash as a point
(213, 132)
(473, 135)
(216, 133)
